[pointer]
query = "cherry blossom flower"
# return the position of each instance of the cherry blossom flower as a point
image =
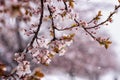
(23, 68)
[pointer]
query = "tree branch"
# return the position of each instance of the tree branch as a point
(39, 25)
(111, 14)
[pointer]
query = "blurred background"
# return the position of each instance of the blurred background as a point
(85, 58)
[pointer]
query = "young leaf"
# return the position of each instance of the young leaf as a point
(71, 3)
(2, 69)
(105, 42)
(74, 25)
(39, 74)
(99, 13)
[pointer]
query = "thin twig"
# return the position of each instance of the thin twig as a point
(53, 26)
(68, 28)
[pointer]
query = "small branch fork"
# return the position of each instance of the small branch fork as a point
(85, 29)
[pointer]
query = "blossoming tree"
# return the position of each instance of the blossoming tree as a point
(50, 25)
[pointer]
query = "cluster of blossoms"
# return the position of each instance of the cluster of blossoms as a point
(23, 67)
(41, 53)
